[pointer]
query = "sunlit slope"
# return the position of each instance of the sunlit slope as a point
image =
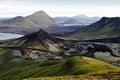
(71, 66)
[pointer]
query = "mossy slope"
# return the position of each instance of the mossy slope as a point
(72, 66)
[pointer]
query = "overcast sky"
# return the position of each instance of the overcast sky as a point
(12, 8)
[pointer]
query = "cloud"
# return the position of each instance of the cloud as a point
(60, 7)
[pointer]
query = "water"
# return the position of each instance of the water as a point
(4, 36)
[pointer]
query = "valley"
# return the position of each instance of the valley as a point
(40, 54)
(38, 47)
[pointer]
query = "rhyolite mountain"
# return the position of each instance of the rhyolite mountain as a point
(42, 19)
(81, 20)
(104, 28)
(34, 45)
(28, 24)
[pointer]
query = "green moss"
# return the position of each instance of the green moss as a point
(70, 66)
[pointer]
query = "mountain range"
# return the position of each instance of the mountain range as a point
(37, 20)
(61, 19)
(27, 24)
(104, 28)
(77, 20)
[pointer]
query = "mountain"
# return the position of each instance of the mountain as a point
(61, 19)
(35, 45)
(71, 66)
(18, 22)
(18, 25)
(82, 20)
(42, 19)
(104, 28)
(29, 24)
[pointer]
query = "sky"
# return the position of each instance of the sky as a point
(68, 8)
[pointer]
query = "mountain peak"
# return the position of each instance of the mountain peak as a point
(39, 12)
(42, 19)
(110, 20)
(81, 16)
(41, 35)
(42, 40)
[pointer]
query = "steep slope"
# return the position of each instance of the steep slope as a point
(35, 45)
(49, 42)
(82, 20)
(104, 28)
(71, 66)
(42, 19)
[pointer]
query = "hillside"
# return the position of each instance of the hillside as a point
(72, 66)
(104, 28)
(17, 22)
(42, 19)
(35, 45)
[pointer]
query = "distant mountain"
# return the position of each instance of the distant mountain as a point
(104, 28)
(25, 25)
(42, 19)
(82, 20)
(18, 22)
(61, 19)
